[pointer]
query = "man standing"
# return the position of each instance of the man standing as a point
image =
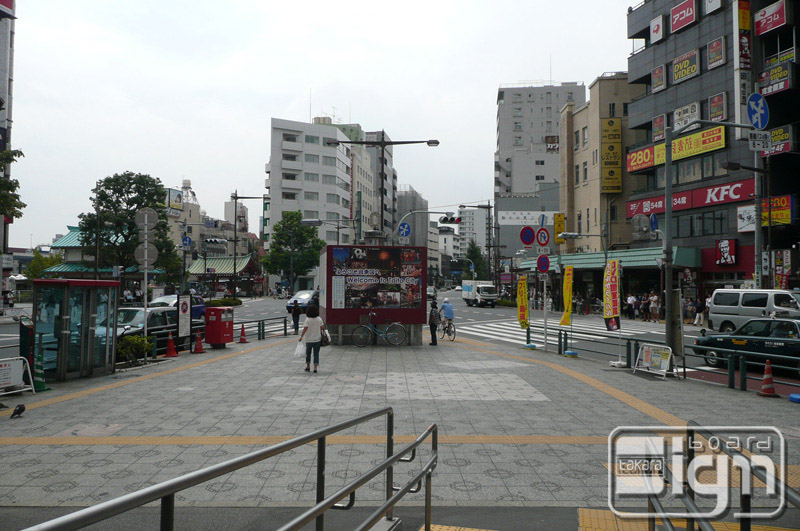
(631, 302)
(700, 311)
(433, 322)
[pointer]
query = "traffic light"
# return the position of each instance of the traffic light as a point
(449, 220)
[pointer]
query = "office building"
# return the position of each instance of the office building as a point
(434, 256)
(7, 20)
(364, 205)
(385, 186)
(474, 226)
(409, 200)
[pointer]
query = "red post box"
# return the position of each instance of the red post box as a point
(219, 326)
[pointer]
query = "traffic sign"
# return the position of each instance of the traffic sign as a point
(527, 235)
(543, 236)
(543, 263)
(543, 220)
(146, 218)
(139, 254)
(404, 229)
(653, 222)
(404, 240)
(758, 111)
(760, 140)
(543, 250)
(187, 241)
(472, 267)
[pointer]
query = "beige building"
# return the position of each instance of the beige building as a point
(593, 137)
(434, 256)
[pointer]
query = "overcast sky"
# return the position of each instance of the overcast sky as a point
(185, 89)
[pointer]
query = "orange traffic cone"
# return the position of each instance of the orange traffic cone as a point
(767, 385)
(242, 337)
(198, 346)
(171, 353)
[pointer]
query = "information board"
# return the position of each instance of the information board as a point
(653, 358)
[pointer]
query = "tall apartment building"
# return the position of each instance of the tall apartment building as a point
(695, 61)
(593, 137)
(363, 201)
(409, 200)
(385, 187)
(434, 256)
(308, 175)
(7, 19)
(474, 226)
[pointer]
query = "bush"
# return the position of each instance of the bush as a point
(228, 301)
(130, 349)
(506, 303)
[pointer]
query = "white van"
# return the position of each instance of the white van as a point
(730, 308)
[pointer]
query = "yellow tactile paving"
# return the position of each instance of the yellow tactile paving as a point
(142, 378)
(603, 520)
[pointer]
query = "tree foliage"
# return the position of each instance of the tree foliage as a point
(307, 246)
(10, 203)
(116, 199)
(41, 262)
(474, 254)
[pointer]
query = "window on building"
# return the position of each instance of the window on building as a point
(569, 96)
(517, 126)
(289, 137)
(548, 112)
(289, 176)
(289, 156)
(327, 140)
(579, 223)
(330, 235)
(311, 196)
(289, 196)
(311, 214)
(328, 179)
(585, 135)
(612, 110)
(577, 175)
(345, 238)
(312, 139)
(577, 140)
(548, 98)
(517, 140)
(312, 177)
(332, 216)
(585, 172)
(332, 198)
(587, 220)
(612, 212)
(595, 215)
(312, 158)
(624, 109)
(329, 161)
(540, 177)
(549, 125)
(517, 112)
(539, 163)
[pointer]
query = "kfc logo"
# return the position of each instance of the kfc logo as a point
(726, 252)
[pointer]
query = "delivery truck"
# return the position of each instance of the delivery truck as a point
(479, 293)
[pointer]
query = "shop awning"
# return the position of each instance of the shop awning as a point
(77, 267)
(630, 258)
(222, 265)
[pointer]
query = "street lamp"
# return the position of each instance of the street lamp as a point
(235, 196)
(382, 143)
(318, 222)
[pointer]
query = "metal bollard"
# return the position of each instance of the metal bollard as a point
(628, 354)
(731, 371)
(285, 327)
(742, 372)
(528, 335)
(155, 346)
(560, 344)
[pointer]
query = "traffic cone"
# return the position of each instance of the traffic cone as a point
(198, 346)
(242, 337)
(767, 385)
(171, 348)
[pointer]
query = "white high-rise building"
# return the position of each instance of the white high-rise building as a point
(6, 94)
(474, 226)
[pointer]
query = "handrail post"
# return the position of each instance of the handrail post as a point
(168, 512)
(731, 371)
(689, 457)
(651, 520)
(321, 480)
(742, 372)
(389, 454)
(744, 506)
(428, 497)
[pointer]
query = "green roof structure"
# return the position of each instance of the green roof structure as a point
(66, 268)
(221, 265)
(631, 258)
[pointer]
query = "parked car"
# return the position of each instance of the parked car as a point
(731, 308)
(767, 336)
(458, 288)
(198, 304)
(431, 293)
(303, 298)
(130, 321)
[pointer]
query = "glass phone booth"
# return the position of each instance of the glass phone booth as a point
(75, 323)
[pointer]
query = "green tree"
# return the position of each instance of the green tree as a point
(41, 262)
(10, 203)
(474, 254)
(116, 199)
(307, 246)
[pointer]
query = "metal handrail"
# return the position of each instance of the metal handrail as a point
(165, 491)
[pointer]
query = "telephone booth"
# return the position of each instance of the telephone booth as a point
(74, 326)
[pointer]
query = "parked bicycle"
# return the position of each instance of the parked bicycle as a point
(394, 333)
(448, 330)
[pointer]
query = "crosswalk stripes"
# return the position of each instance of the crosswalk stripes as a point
(510, 331)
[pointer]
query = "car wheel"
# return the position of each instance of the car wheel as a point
(493, 305)
(727, 327)
(713, 359)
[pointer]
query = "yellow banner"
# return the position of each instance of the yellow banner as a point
(611, 300)
(522, 301)
(566, 319)
(559, 226)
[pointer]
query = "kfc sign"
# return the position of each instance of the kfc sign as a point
(771, 17)
(698, 198)
(682, 15)
(725, 252)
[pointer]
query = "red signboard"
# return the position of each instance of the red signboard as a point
(771, 17)
(697, 198)
(682, 15)
(7, 6)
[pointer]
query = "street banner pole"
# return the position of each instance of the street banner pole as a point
(544, 307)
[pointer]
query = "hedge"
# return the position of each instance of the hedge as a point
(213, 303)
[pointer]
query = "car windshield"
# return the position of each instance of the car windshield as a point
(162, 301)
(796, 295)
(487, 290)
(126, 317)
(304, 295)
(754, 328)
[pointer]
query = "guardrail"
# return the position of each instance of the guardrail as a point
(259, 326)
(166, 490)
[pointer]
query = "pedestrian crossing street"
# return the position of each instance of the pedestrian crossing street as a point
(510, 331)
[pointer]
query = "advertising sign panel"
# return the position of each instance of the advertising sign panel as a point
(387, 280)
(559, 226)
(718, 107)
(716, 52)
(776, 79)
(784, 140)
(184, 315)
(658, 79)
(684, 147)
(566, 319)
(659, 123)
(7, 7)
(524, 217)
(784, 56)
(611, 300)
(685, 67)
(657, 29)
(174, 199)
(697, 198)
(725, 253)
(709, 6)
(611, 155)
(551, 144)
(771, 17)
(522, 301)
(783, 207)
(682, 15)
(683, 115)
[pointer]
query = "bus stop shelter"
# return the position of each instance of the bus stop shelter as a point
(74, 325)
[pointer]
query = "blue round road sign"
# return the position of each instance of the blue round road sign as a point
(758, 111)
(187, 241)
(543, 263)
(527, 235)
(653, 222)
(404, 229)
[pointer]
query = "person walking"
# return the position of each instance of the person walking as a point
(655, 307)
(313, 328)
(631, 302)
(700, 312)
(433, 322)
(297, 311)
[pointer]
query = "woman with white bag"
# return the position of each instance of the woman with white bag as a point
(313, 330)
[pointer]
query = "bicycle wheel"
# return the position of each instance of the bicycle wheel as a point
(361, 336)
(451, 332)
(440, 331)
(395, 334)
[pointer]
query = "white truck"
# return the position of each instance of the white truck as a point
(479, 293)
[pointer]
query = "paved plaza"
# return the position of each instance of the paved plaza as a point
(517, 428)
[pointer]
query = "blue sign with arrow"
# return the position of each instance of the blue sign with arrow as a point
(653, 222)
(758, 111)
(404, 229)
(187, 241)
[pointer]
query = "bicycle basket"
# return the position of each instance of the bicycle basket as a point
(363, 319)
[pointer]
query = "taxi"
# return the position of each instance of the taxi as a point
(763, 336)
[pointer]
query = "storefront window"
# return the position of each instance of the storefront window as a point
(719, 158)
(684, 226)
(708, 166)
(692, 171)
(660, 177)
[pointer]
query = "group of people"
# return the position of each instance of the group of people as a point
(440, 317)
(696, 310)
(133, 296)
(647, 307)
